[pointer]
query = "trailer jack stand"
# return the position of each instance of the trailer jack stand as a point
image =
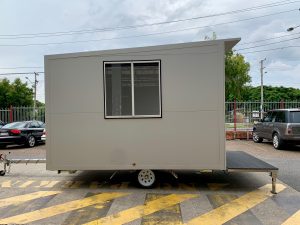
(273, 175)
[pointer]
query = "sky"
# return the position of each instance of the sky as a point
(34, 28)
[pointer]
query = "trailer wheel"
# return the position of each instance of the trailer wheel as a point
(2, 172)
(146, 178)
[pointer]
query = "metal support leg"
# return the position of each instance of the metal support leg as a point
(274, 177)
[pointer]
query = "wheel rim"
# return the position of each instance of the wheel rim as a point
(275, 141)
(255, 137)
(31, 141)
(146, 178)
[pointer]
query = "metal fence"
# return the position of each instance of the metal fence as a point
(22, 113)
(239, 113)
(242, 115)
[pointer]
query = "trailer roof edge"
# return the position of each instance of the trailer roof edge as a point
(229, 43)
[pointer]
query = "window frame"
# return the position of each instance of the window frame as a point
(132, 62)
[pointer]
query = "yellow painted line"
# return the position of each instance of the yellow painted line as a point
(59, 209)
(27, 197)
(236, 207)
(26, 184)
(170, 215)
(293, 220)
(93, 185)
(76, 184)
(142, 210)
(47, 183)
(8, 184)
(216, 186)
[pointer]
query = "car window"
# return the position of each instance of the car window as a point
(34, 124)
(280, 117)
(295, 117)
(14, 125)
(268, 117)
(274, 115)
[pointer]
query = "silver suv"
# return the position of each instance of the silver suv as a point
(282, 126)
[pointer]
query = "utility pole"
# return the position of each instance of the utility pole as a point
(34, 86)
(262, 87)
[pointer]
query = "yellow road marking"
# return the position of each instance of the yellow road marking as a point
(143, 210)
(93, 185)
(216, 186)
(59, 209)
(188, 187)
(170, 215)
(47, 183)
(236, 207)
(27, 197)
(294, 219)
(26, 184)
(8, 184)
(76, 184)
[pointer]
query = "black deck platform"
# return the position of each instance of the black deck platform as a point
(242, 161)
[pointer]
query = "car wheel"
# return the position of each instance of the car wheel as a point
(2, 146)
(256, 138)
(146, 178)
(277, 142)
(31, 141)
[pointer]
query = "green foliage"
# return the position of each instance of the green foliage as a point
(15, 93)
(236, 76)
(40, 104)
(271, 94)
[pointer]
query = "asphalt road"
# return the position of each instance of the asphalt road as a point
(288, 160)
(32, 195)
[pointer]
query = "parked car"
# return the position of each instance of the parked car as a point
(43, 138)
(25, 132)
(282, 126)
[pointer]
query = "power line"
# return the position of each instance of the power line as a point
(282, 36)
(273, 49)
(272, 43)
(61, 33)
(22, 73)
(145, 35)
(20, 67)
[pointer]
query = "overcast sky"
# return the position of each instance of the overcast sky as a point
(52, 16)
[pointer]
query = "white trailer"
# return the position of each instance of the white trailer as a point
(146, 108)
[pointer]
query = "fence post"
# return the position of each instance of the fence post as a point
(281, 104)
(234, 118)
(11, 114)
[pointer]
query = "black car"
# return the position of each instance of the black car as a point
(1, 124)
(26, 132)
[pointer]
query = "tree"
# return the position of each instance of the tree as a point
(236, 73)
(16, 93)
(236, 76)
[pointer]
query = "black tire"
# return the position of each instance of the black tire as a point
(2, 173)
(31, 142)
(146, 178)
(256, 138)
(2, 146)
(278, 143)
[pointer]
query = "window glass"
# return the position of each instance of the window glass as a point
(295, 117)
(280, 117)
(34, 124)
(268, 117)
(14, 125)
(146, 88)
(118, 89)
(132, 89)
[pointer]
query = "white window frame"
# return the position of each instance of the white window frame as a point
(132, 89)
